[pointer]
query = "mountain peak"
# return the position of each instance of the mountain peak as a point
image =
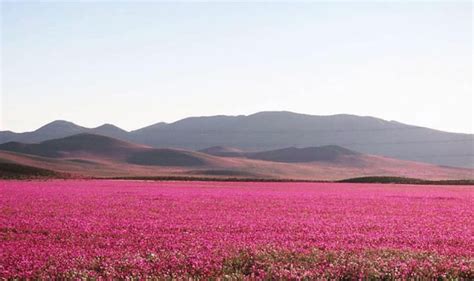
(60, 125)
(107, 127)
(274, 113)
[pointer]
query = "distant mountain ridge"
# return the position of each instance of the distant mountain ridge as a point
(276, 130)
(60, 129)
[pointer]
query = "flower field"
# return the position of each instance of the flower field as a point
(234, 230)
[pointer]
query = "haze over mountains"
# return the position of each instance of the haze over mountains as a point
(281, 130)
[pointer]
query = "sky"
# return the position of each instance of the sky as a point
(133, 64)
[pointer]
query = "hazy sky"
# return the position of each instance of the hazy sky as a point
(134, 64)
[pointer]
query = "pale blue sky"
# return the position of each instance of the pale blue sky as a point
(133, 64)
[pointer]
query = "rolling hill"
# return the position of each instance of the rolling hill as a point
(99, 148)
(278, 130)
(88, 155)
(80, 145)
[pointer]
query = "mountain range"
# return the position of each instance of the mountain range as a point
(265, 131)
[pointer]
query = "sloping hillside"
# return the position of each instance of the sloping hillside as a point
(81, 145)
(329, 153)
(101, 148)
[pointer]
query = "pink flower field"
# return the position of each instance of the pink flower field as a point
(234, 230)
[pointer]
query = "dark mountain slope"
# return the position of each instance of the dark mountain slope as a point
(167, 157)
(330, 153)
